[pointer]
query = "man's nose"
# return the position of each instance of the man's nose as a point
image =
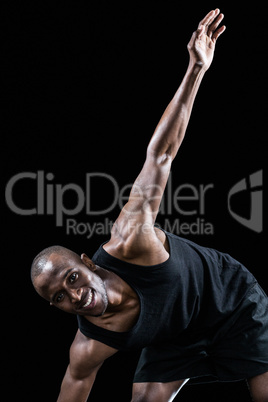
(75, 295)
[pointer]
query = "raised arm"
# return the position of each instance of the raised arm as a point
(86, 357)
(142, 207)
(171, 129)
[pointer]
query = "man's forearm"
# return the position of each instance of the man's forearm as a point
(171, 128)
(75, 390)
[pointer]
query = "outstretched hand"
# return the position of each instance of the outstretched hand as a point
(202, 44)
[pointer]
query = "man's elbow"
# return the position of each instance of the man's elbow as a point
(161, 157)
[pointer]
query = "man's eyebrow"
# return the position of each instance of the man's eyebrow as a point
(67, 272)
(64, 277)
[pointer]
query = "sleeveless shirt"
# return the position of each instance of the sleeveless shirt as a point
(187, 297)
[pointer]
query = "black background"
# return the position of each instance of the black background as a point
(85, 84)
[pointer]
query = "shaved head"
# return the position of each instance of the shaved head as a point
(40, 261)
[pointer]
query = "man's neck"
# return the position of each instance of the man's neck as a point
(123, 304)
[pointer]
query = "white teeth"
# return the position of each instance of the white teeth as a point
(89, 300)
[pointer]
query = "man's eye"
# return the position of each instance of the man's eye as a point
(73, 277)
(59, 298)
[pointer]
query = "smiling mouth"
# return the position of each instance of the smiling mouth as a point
(90, 300)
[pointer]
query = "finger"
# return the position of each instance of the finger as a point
(218, 33)
(207, 19)
(215, 25)
(200, 31)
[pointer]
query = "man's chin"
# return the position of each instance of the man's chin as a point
(97, 312)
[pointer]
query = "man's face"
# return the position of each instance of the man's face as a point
(72, 286)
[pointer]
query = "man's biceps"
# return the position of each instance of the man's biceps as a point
(156, 174)
(150, 183)
(83, 363)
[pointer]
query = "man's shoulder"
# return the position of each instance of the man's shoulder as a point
(147, 248)
(88, 353)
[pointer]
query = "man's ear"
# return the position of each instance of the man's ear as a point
(88, 262)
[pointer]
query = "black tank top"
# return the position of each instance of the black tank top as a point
(190, 294)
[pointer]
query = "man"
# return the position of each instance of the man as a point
(193, 311)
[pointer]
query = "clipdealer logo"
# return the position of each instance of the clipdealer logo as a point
(252, 185)
(187, 200)
(51, 198)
